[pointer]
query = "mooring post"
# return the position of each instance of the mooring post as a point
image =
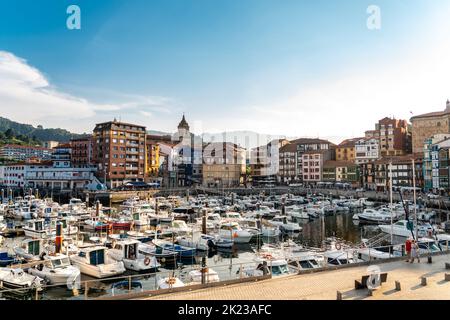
(398, 286)
(86, 290)
(424, 281)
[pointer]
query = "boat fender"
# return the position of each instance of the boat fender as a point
(147, 261)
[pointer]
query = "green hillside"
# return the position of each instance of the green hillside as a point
(14, 132)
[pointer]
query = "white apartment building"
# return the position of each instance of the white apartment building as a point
(13, 175)
(47, 175)
(367, 150)
(24, 153)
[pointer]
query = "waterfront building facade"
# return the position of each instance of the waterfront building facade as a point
(288, 163)
(119, 151)
(265, 162)
(304, 145)
(426, 125)
(402, 172)
(82, 151)
(394, 137)
(24, 153)
(312, 164)
(346, 150)
(224, 164)
(341, 172)
(366, 150)
(432, 163)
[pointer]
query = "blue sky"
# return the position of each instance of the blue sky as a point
(299, 68)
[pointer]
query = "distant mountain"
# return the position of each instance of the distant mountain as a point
(11, 129)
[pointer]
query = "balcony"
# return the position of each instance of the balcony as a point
(132, 144)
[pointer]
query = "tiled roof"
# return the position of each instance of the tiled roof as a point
(290, 147)
(349, 142)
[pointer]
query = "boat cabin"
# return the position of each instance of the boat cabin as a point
(36, 225)
(93, 255)
(129, 248)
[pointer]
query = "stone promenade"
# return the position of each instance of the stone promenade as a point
(324, 285)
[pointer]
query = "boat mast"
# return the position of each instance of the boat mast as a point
(391, 205)
(414, 194)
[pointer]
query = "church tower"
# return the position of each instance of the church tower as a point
(183, 128)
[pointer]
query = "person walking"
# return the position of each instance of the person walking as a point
(408, 249)
(414, 251)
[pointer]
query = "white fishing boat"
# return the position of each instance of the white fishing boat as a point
(195, 276)
(285, 225)
(127, 252)
(297, 213)
(265, 264)
(23, 214)
(36, 229)
(140, 219)
(179, 227)
(400, 229)
(56, 270)
(370, 254)
(198, 241)
(232, 231)
(16, 278)
(340, 257)
(375, 216)
(95, 262)
(30, 249)
(305, 260)
(170, 282)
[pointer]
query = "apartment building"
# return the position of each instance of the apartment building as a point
(82, 151)
(312, 164)
(435, 162)
(288, 163)
(24, 153)
(265, 161)
(119, 151)
(395, 137)
(304, 145)
(224, 164)
(340, 172)
(346, 150)
(402, 172)
(367, 150)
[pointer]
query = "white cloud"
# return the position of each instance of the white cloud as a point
(27, 96)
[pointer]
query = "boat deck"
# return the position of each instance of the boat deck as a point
(324, 285)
